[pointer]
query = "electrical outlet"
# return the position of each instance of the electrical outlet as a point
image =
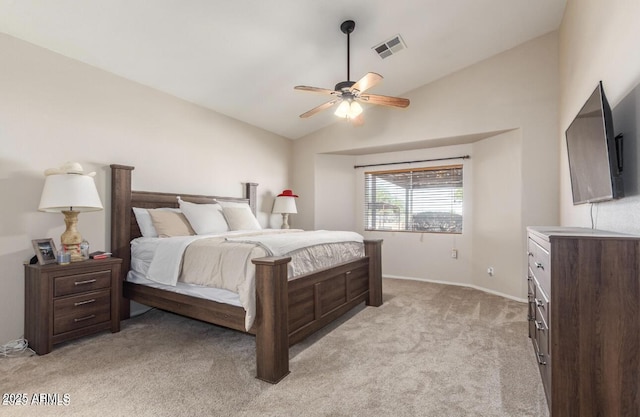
(454, 253)
(490, 271)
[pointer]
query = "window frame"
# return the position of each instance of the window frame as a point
(455, 214)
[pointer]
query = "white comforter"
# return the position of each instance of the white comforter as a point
(224, 260)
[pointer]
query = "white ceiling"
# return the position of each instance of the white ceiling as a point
(242, 58)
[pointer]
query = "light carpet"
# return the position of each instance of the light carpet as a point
(429, 350)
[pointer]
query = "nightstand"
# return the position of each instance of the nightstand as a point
(64, 302)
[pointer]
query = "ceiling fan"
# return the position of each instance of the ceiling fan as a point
(349, 93)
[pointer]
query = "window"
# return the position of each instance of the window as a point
(414, 200)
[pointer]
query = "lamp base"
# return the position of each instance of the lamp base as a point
(71, 238)
(285, 221)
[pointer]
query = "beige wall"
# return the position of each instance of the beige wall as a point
(497, 238)
(338, 212)
(515, 90)
(598, 41)
(53, 109)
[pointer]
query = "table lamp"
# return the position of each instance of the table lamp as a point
(69, 191)
(285, 204)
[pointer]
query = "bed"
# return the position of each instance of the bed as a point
(287, 311)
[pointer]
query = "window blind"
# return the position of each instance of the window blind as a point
(415, 200)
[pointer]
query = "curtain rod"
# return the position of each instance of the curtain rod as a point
(411, 162)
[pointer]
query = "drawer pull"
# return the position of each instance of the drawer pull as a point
(541, 360)
(93, 316)
(540, 326)
(539, 303)
(539, 265)
(89, 281)
(79, 303)
(530, 253)
(347, 273)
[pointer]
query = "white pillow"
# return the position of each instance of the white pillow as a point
(144, 220)
(240, 217)
(204, 218)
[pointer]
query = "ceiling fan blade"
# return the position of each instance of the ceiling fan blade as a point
(366, 82)
(319, 108)
(315, 89)
(384, 100)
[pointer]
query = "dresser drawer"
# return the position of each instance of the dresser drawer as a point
(540, 265)
(531, 314)
(71, 313)
(542, 331)
(531, 284)
(74, 284)
(544, 358)
(541, 302)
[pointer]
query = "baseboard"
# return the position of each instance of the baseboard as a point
(460, 284)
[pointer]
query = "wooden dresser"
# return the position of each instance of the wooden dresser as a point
(584, 319)
(63, 302)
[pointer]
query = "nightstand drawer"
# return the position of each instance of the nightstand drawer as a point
(79, 311)
(73, 284)
(83, 302)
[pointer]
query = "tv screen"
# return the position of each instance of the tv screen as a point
(595, 154)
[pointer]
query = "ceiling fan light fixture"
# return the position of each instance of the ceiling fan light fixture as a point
(348, 109)
(355, 110)
(343, 109)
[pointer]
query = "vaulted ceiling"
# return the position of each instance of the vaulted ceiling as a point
(242, 58)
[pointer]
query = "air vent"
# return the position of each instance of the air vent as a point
(390, 47)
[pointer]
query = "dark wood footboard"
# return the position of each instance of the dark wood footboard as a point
(313, 301)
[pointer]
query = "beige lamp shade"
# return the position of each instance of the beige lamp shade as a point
(285, 204)
(70, 194)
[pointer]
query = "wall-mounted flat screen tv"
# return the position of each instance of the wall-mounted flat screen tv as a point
(595, 153)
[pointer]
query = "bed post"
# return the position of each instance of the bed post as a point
(373, 249)
(121, 223)
(272, 315)
(251, 193)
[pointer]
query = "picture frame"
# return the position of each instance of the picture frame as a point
(45, 251)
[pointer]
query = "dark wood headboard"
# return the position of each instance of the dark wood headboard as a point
(124, 227)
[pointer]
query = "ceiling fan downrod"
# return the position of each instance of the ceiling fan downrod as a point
(347, 27)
